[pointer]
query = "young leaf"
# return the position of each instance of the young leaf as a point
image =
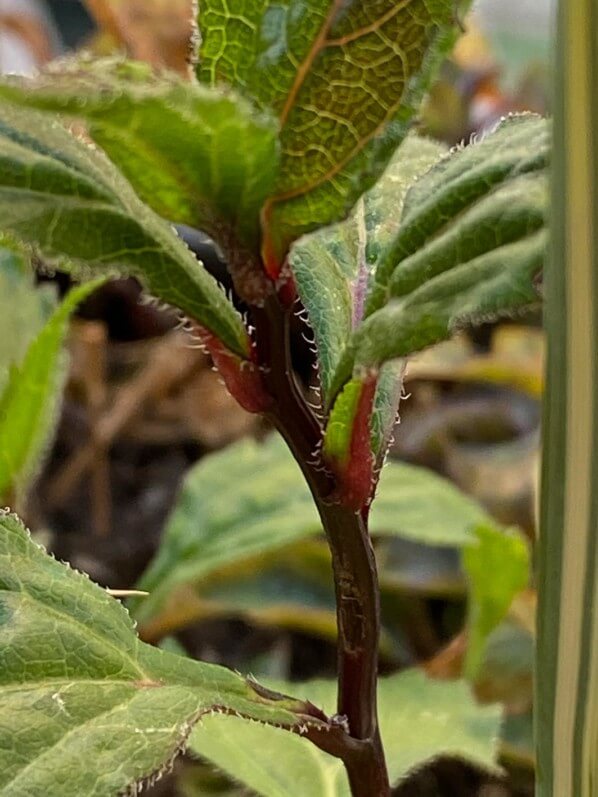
(470, 244)
(333, 266)
(83, 703)
(347, 448)
(68, 199)
(29, 401)
(471, 181)
(506, 555)
(194, 155)
(212, 534)
(344, 80)
(419, 719)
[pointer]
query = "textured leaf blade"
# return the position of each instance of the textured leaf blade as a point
(31, 396)
(344, 80)
(333, 267)
(419, 719)
(171, 139)
(488, 287)
(83, 702)
(471, 242)
(271, 509)
(71, 202)
(472, 185)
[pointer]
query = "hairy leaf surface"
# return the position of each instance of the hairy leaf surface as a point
(344, 79)
(68, 199)
(194, 155)
(419, 719)
(30, 399)
(471, 242)
(83, 703)
(333, 267)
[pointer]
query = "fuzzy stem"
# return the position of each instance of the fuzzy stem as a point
(354, 565)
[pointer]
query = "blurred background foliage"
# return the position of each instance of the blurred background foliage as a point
(143, 413)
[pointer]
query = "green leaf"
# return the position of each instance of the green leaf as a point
(470, 244)
(172, 139)
(505, 555)
(67, 199)
(462, 207)
(213, 534)
(344, 80)
(85, 707)
(419, 719)
(30, 400)
(332, 267)
(337, 439)
(24, 308)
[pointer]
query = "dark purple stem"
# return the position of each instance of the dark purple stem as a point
(354, 566)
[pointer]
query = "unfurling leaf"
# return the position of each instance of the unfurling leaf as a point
(333, 267)
(85, 704)
(343, 79)
(348, 441)
(67, 199)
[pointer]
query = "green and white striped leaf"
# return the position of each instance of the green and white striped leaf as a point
(419, 719)
(31, 395)
(566, 704)
(68, 200)
(85, 707)
(196, 156)
(343, 79)
(470, 244)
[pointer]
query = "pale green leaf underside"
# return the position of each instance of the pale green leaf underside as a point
(24, 308)
(69, 200)
(30, 400)
(332, 267)
(194, 155)
(344, 80)
(85, 707)
(419, 719)
(471, 242)
(211, 528)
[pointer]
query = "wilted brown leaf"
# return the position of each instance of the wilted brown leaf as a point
(157, 31)
(31, 31)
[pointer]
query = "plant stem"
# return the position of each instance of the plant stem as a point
(353, 561)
